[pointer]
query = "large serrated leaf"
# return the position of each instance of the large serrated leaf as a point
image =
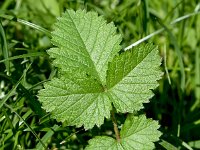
(92, 75)
(138, 133)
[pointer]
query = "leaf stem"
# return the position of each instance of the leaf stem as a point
(117, 134)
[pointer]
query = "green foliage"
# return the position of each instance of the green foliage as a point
(83, 93)
(91, 78)
(137, 133)
(25, 35)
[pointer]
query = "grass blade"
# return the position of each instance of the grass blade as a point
(144, 39)
(197, 79)
(168, 145)
(35, 54)
(197, 74)
(184, 144)
(165, 64)
(146, 15)
(34, 133)
(179, 54)
(4, 47)
(195, 144)
(161, 30)
(34, 26)
(11, 92)
(47, 136)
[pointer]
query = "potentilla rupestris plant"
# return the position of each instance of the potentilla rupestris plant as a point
(94, 79)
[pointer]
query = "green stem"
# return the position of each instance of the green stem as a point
(117, 134)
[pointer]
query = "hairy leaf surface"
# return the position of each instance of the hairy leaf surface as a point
(85, 44)
(93, 75)
(138, 133)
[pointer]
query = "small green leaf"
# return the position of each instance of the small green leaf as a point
(138, 133)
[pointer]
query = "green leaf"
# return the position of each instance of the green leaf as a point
(131, 75)
(71, 103)
(138, 133)
(92, 75)
(85, 44)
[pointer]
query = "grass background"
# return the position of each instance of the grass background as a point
(24, 66)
